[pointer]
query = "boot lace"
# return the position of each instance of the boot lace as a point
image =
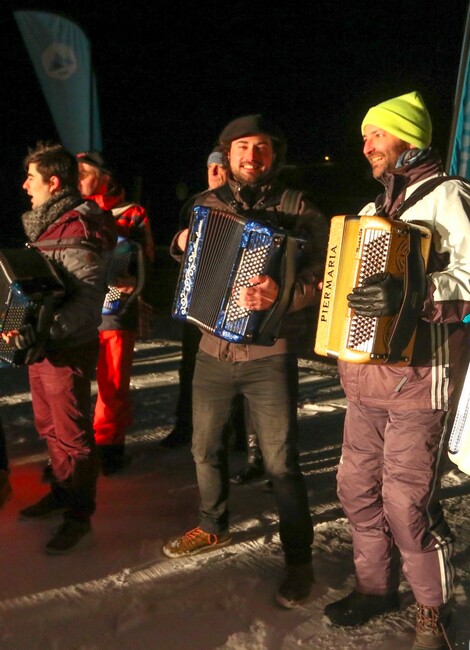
(197, 537)
(429, 621)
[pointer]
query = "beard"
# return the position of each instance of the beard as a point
(250, 179)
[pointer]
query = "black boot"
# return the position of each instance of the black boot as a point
(47, 472)
(254, 463)
(296, 586)
(112, 458)
(357, 609)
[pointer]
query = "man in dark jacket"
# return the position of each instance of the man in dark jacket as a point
(395, 427)
(76, 236)
(266, 375)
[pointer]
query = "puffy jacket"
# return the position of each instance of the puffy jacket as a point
(87, 235)
(309, 223)
(442, 346)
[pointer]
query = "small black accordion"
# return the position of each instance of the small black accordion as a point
(29, 289)
(223, 252)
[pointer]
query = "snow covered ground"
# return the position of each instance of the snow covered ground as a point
(118, 592)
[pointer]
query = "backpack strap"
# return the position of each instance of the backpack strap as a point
(291, 201)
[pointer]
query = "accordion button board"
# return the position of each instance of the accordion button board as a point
(224, 251)
(358, 247)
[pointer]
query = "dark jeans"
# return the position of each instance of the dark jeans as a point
(236, 425)
(270, 386)
(61, 396)
(189, 348)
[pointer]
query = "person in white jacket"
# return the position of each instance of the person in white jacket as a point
(396, 421)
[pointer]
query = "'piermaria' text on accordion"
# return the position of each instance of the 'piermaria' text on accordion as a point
(358, 247)
(223, 252)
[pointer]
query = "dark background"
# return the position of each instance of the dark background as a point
(170, 75)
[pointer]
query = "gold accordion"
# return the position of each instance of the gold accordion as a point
(358, 247)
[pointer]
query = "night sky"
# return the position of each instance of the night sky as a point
(170, 75)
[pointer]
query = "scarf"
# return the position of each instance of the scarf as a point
(413, 166)
(38, 220)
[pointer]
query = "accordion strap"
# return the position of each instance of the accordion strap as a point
(44, 321)
(414, 290)
(273, 320)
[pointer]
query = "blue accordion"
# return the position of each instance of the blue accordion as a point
(223, 252)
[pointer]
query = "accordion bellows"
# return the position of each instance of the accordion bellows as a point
(358, 247)
(223, 252)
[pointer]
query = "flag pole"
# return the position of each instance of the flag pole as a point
(462, 73)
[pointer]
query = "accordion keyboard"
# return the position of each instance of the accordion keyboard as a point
(374, 260)
(252, 263)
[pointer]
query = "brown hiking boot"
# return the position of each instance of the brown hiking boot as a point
(431, 628)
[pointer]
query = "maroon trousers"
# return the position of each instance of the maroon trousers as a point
(388, 483)
(61, 397)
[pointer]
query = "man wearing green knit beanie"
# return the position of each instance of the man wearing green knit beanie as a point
(394, 445)
(406, 117)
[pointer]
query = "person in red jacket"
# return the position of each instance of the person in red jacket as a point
(117, 332)
(77, 237)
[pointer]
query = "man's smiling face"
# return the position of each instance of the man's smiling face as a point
(382, 149)
(251, 158)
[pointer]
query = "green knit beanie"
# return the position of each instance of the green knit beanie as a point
(406, 117)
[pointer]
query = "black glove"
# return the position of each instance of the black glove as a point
(380, 295)
(25, 338)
